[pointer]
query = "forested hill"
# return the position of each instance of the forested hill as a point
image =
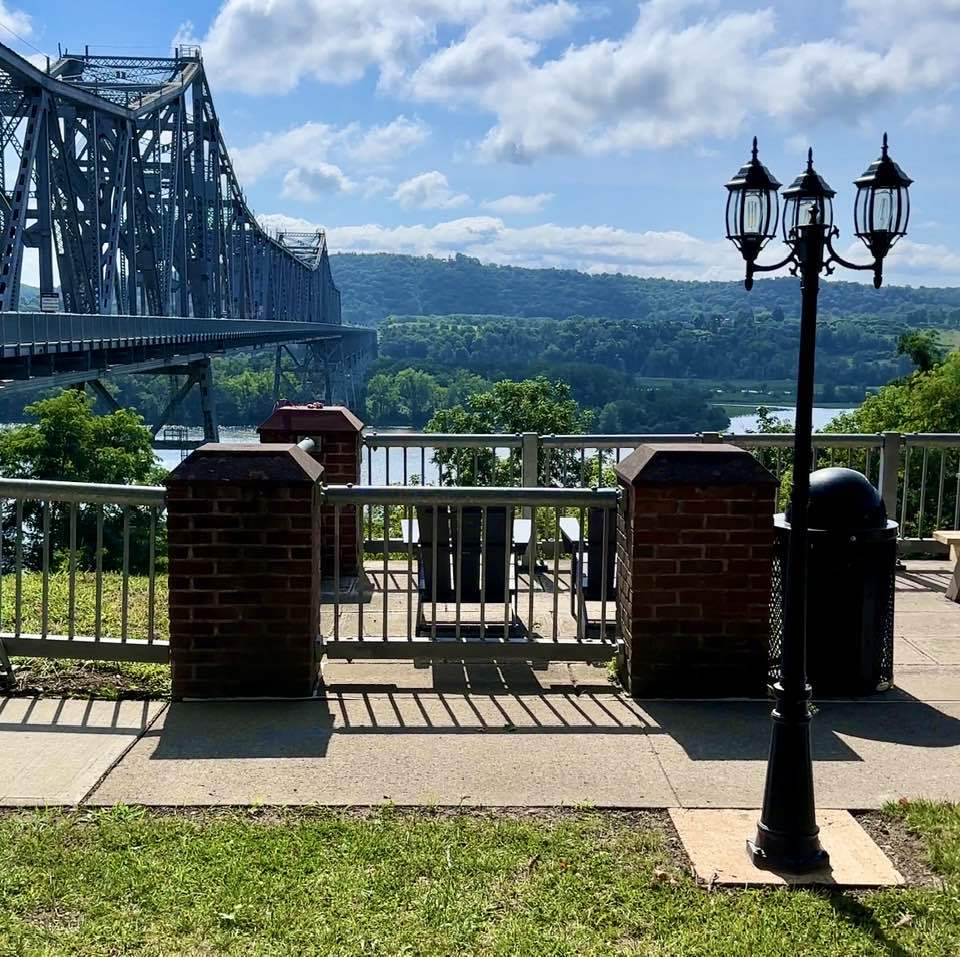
(374, 286)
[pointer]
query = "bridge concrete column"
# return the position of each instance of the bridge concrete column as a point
(338, 446)
(694, 567)
(243, 527)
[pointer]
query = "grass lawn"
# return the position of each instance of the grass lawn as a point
(128, 881)
(76, 678)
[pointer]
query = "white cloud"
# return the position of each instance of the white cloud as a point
(428, 191)
(374, 146)
(934, 117)
(269, 45)
(382, 145)
(685, 71)
(595, 249)
(282, 150)
(16, 21)
(312, 181)
(374, 186)
(518, 205)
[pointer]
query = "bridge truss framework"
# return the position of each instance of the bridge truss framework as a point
(115, 176)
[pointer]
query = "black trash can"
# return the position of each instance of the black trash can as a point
(851, 576)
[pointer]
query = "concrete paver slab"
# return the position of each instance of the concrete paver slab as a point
(865, 753)
(411, 750)
(715, 840)
(944, 651)
(929, 684)
(907, 653)
(53, 751)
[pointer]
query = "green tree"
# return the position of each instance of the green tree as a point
(382, 399)
(69, 443)
(922, 402)
(923, 348)
(418, 393)
(533, 405)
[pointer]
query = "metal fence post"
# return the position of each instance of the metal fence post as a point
(529, 459)
(530, 478)
(890, 445)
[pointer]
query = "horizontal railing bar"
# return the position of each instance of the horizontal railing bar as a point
(104, 649)
(611, 441)
(744, 440)
(433, 495)
(932, 439)
(441, 440)
(83, 493)
(821, 440)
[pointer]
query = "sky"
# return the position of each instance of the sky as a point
(573, 133)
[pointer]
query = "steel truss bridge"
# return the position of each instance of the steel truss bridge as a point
(116, 185)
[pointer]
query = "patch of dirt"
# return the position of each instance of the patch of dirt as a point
(80, 679)
(904, 848)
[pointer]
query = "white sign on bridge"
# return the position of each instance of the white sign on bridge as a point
(49, 302)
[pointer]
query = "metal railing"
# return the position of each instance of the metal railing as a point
(81, 561)
(918, 474)
(477, 580)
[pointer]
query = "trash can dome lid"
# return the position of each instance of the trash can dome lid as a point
(843, 499)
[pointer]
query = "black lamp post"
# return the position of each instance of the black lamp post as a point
(787, 837)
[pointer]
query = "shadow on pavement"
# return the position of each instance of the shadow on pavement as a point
(212, 730)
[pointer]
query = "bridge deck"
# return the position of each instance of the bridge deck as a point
(61, 348)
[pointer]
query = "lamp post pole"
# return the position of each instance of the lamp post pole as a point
(787, 836)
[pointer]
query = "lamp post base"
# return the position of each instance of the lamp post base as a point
(788, 838)
(785, 853)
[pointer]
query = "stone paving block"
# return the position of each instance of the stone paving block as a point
(936, 684)
(907, 653)
(53, 751)
(715, 841)
(303, 753)
(944, 651)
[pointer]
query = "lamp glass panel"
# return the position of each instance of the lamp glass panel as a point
(753, 213)
(884, 210)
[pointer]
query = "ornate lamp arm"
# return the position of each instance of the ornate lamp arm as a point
(752, 267)
(876, 267)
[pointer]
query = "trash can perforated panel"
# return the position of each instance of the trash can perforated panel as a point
(851, 577)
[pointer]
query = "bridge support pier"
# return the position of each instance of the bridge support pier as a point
(208, 405)
(199, 374)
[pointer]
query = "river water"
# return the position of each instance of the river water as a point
(375, 473)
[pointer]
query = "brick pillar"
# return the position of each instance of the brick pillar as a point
(244, 571)
(338, 437)
(694, 559)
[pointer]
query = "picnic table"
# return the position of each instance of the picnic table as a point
(952, 538)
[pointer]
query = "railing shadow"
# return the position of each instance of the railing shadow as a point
(74, 715)
(740, 730)
(914, 581)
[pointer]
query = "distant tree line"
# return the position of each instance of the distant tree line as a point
(374, 286)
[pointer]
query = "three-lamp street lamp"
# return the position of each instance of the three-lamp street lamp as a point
(787, 837)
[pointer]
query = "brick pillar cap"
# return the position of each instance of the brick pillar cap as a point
(692, 463)
(311, 419)
(267, 464)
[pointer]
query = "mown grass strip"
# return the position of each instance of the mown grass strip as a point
(127, 881)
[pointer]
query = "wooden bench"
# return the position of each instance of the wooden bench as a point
(952, 538)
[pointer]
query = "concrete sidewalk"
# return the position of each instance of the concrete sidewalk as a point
(498, 736)
(564, 744)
